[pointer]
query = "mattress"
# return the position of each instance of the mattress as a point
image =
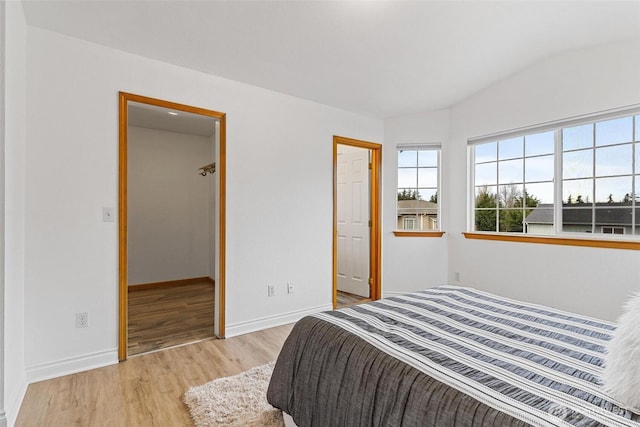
(442, 357)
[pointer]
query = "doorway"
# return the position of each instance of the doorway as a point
(171, 213)
(356, 213)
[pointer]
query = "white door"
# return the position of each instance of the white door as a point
(353, 220)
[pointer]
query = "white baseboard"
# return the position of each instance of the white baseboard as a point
(3, 419)
(393, 294)
(71, 365)
(248, 326)
(14, 407)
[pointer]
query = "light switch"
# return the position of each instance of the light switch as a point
(108, 215)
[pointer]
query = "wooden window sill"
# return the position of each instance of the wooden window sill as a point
(554, 240)
(403, 233)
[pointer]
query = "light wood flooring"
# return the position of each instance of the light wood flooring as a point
(345, 299)
(145, 390)
(167, 316)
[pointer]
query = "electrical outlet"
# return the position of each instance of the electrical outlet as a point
(290, 288)
(82, 320)
(271, 290)
(457, 276)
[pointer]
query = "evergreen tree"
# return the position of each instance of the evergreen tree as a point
(486, 219)
(434, 198)
(512, 220)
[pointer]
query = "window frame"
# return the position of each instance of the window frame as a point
(437, 147)
(558, 180)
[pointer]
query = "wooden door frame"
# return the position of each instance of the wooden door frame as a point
(375, 242)
(123, 301)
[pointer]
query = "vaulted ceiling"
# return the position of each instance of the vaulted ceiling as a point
(380, 58)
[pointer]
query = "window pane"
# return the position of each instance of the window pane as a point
(539, 220)
(613, 220)
(637, 150)
(577, 164)
(485, 213)
(406, 193)
(486, 152)
(539, 143)
(613, 190)
(539, 168)
(637, 120)
(614, 160)
(485, 219)
(543, 193)
(510, 148)
(427, 177)
(409, 223)
(510, 171)
(577, 137)
(613, 216)
(427, 158)
(486, 192)
(428, 194)
(511, 220)
(577, 219)
(577, 191)
(407, 178)
(510, 195)
(407, 158)
(614, 131)
(486, 173)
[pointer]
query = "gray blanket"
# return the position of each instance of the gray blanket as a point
(445, 357)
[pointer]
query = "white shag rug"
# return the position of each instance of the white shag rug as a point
(237, 401)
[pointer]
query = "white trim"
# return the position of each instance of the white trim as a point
(13, 408)
(259, 324)
(419, 146)
(71, 365)
(3, 66)
(547, 126)
(390, 294)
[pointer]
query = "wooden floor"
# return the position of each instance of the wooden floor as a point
(145, 390)
(345, 299)
(167, 316)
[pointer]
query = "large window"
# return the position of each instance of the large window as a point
(576, 177)
(418, 183)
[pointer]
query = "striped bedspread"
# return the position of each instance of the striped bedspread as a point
(539, 365)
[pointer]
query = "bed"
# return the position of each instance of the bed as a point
(446, 356)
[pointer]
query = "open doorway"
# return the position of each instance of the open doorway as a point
(356, 276)
(172, 174)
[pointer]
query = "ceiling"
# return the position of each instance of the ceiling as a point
(379, 58)
(153, 117)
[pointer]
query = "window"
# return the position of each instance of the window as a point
(409, 223)
(574, 177)
(418, 183)
(612, 230)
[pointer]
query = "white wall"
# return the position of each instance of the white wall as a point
(279, 170)
(413, 263)
(169, 206)
(14, 226)
(591, 281)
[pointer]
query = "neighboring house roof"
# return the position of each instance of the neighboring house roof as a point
(420, 207)
(606, 214)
